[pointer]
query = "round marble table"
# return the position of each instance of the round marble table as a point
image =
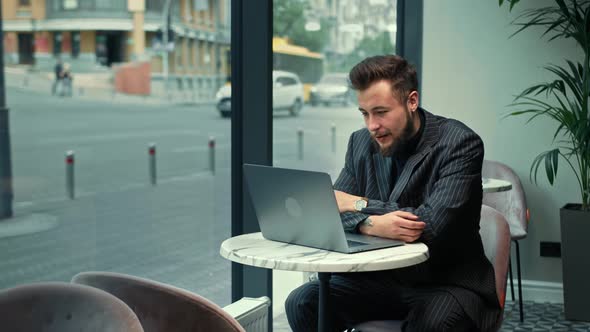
(252, 249)
(490, 185)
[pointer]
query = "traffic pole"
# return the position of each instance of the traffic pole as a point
(333, 137)
(212, 154)
(152, 163)
(300, 143)
(70, 174)
(6, 191)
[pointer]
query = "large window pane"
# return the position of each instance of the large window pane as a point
(320, 41)
(149, 188)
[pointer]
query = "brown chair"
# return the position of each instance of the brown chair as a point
(495, 237)
(64, 307)
(162, 307)
(512, 204)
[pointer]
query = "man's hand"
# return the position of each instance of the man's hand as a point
(397, 225)
(345, 201)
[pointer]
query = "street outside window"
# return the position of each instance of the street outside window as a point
(70, 4)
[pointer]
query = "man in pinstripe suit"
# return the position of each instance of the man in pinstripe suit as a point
(412, 176)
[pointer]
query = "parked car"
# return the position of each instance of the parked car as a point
(332, 88)
(223, 100)
(287, 94)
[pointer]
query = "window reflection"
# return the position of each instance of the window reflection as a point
(137, 194)
(320, 41)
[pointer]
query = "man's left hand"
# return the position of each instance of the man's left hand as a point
(345, 201)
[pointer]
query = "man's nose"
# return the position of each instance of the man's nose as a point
(372, 123)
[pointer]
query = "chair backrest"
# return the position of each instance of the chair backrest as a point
(64, 307)
(495, 237)
(512, 203)
(161, 307)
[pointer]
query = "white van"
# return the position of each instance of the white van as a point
(287, 94)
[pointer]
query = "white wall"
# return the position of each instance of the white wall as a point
(471, 71)
(283, 282)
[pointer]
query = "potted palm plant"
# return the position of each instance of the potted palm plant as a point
(565, 100)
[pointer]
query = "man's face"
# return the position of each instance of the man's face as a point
(391, 123)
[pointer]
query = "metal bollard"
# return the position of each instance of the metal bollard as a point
(300, 143)
(152, 163)
(167, 90)
(193, 90)
(212, 154)
(26, 80)
(333, 137)
(70, 174)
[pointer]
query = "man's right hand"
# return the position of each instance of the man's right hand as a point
(397, 225)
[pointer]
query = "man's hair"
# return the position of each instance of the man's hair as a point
(393, 68)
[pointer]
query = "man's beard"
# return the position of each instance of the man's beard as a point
(401, 142)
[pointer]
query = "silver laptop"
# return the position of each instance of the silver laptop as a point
(299, 207)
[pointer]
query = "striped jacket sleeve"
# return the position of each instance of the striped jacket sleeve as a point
(459, 177)
(346, 182)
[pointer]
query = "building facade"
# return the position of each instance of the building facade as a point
(92, 35)
(356, 19)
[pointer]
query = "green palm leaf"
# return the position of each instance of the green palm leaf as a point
(566, 98)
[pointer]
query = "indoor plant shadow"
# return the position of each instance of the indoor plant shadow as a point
(565, 100)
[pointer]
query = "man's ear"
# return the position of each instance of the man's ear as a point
(413, 101)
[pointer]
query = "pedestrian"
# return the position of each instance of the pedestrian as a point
(58, 70)
(67, 80)
(409, 175)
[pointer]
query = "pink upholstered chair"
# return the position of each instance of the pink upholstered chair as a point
(161, 307)
(512, 204)
(64, 307)
(495, 237)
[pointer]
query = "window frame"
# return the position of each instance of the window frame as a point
(251, 126)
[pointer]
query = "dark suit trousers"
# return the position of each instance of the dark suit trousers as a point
(365, 296)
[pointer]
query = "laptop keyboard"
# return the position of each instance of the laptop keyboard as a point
(355, 243)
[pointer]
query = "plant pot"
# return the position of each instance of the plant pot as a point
(575, 233)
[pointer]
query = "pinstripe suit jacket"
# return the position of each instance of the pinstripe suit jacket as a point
(440, 183)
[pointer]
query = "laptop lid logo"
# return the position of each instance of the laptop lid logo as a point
(293, 207)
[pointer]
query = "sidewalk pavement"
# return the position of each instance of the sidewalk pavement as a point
(169, 232)
(92, 86)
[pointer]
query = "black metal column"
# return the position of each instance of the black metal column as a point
(325, 310)
(251, 79)
(408, 41)
(6, 194)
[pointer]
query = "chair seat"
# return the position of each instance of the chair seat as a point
(63, 307)
(162, 307)
(517, 232)
(495, 238)
(518, 236)
(380, 326)
(512, 204)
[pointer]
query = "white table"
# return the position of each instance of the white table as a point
(490, 185)
(252, 249)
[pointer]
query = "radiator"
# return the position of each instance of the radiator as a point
(251, 313)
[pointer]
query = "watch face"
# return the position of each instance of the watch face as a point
(360, 204)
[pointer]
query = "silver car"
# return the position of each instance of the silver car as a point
(332, 88)
(287, 94)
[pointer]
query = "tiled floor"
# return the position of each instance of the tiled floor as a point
(537, 317)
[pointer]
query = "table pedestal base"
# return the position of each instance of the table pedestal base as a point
(325, 312)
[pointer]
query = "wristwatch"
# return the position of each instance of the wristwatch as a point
(361, 203)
